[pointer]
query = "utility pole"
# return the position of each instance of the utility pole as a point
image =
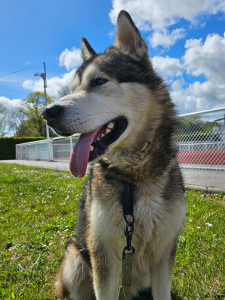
(43, 76)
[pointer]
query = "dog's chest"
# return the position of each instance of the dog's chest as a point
(149, 212)
(150, 215)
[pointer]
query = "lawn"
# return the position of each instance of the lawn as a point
(38, 212)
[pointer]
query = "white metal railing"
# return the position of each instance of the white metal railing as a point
(204, 112)
(54, 149)
(201, 142)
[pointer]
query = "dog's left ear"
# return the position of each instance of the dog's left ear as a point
(128, 38)
(86, 50)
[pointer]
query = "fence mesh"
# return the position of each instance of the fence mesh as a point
(61, 148)
(55, 149)
(201, 143)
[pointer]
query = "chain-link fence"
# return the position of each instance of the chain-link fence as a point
(202, 140)
(201, 143)
(54, 149)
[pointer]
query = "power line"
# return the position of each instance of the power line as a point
(20, 70)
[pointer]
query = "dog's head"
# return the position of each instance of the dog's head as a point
(111, 98)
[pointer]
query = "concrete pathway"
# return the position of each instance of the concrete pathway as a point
(204, 180)
(53, 165)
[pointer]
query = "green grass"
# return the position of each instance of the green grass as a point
(199, 271)
(38, 212)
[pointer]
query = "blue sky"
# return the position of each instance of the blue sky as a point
(185, 39)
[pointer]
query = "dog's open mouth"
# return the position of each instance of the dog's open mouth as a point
(94, 144)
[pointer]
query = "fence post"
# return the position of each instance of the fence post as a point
(37, 152)
(50, 145)
(71, 143)
(26, 153)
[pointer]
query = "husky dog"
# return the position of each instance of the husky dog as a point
(128, 126)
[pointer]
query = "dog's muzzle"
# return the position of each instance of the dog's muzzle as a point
(52, 113)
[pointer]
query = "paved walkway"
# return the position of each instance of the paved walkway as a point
(204, 180)
(53, 165)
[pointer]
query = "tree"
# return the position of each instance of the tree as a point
(34, 124)
(10, 120)
(3, 119)
(16, 118)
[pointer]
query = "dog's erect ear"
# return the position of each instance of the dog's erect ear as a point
(86, 50)
(128, 38)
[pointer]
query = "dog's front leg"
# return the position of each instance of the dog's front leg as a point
(106, 279)
(161, 280)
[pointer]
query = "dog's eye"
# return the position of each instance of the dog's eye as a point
(98, 81)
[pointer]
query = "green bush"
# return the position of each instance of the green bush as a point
(8, 145)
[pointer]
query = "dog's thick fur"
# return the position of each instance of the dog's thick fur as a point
(145, 155)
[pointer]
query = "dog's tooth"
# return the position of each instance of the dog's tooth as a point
(103, 135)
(98, 139)
(111, 125)
(91, 148)
(108, 131)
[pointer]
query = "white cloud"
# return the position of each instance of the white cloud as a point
(207, 95)
(200, 58)
(167, 66)
(197, 96)
(161, 14)
(11, 104)
(54, 84)
(70, 59)
(158, 16)
(206, 58)
(165, 38)
(180, 97)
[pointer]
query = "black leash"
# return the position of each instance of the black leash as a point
(128, 250)
(127, 204)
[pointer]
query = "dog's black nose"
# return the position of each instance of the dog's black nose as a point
(52, 112)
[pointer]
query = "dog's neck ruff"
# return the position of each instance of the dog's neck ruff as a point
(114, 173)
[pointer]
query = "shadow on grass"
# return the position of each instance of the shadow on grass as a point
(147, 295)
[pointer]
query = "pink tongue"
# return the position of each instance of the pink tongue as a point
(80, 154)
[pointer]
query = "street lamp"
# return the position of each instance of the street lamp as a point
(43, 76)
